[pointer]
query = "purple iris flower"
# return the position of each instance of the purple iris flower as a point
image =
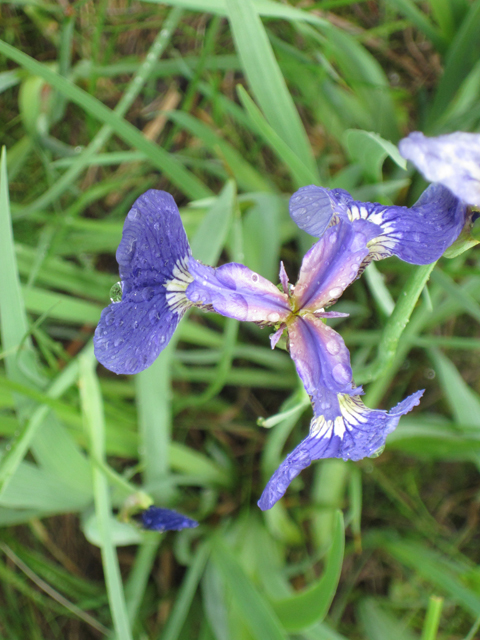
(452, 160)
(158, 519)
(419, 234)
(160, 280)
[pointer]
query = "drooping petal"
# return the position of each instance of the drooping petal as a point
(355, 433)
(322, 360)
(452, 159)
(419, 234)
(235, 291)
(332, 264)
(153, 258)
(158, 519)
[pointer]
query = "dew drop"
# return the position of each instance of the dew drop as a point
(162, 339)
(273, 317)
(154, 316)
(118, 342)
(147, 293)
(115, 294)
(341, 374)
(378, 452)
(254, 277)
(335, 292)
(333, 347)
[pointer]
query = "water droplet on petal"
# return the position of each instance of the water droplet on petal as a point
(147, 293)
(333, 347)
(154, 316)
(162, 339)
(273, 317)
(116, 294)
(336, 292)
(118, 342)
(341, 374)
(254, 277)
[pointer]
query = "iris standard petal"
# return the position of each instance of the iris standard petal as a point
(355, 433)
(159, 519)
(237, 292)
(321, 358)
(452, 159)
(419, 234)
(153, 258)
(332, 264)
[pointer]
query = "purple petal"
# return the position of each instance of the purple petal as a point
(159, 519)
(152, 256)
(452, 160)
(284, 278)
(321, 358)
(130, 335)
(419, 234)
(237, 292)
(332, 264)
(275, 337)
(312, 208)
(355, 433)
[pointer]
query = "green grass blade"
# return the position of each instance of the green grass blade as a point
(163, 161)
(92, 408)
(305, 609)
(266, 80)
(185, 596)
(301, 173)
(257, 613)
(432, 619)
(396, 324)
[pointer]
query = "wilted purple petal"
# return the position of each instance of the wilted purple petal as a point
(159, 519)
(452, 159)
(321, 358)
(153, 255)
(419, 234)
(355, 433)
(237, 292)
(332, 264)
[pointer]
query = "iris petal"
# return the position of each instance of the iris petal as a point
(419, 234)
(153, 257)
(321, 358)
(237, 292)
(452, 160)
(332, 264)
(159, 519)
(356, 432)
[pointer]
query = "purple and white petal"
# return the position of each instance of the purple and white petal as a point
(153, 258)
(321, 358)
(419, 234)
(235, 291)
(284, 279)
(452, 159)
(332, 264)
(153, 242)
(314, 209)
(158, 519)
(355, 433)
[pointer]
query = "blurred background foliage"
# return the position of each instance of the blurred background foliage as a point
(230, 105)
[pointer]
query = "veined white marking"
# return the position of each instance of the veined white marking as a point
(176, 287)
(352, 410)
